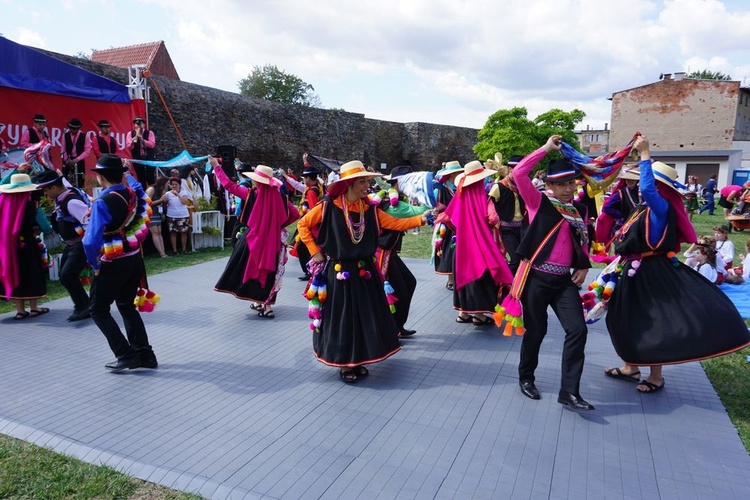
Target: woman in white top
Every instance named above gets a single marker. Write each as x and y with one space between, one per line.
178 216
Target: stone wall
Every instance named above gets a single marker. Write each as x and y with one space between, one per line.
277 134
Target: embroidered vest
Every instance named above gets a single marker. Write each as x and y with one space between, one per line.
540 228
505 206
129 226
79 144
69 228
633 237
106 146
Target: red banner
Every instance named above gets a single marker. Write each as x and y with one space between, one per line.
22 105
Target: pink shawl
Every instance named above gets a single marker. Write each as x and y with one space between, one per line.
476 250
263 236
685 232
12 208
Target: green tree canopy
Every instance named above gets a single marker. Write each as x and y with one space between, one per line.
273 84
705 74
510 132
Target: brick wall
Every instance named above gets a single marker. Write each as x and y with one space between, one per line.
677 114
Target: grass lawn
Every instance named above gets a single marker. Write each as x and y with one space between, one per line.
28 471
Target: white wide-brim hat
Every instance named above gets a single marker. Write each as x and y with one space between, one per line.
473 172
19 183
629 174
263 174
667 175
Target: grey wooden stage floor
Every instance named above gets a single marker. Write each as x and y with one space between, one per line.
238 408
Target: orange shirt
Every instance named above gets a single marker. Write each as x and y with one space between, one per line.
315 216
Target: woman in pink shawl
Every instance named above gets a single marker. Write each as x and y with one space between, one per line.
480 270
256 265
21 268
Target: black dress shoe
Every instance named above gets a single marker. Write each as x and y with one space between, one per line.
79 315
147 357
574 402
125 363
529 390
304 277
407 333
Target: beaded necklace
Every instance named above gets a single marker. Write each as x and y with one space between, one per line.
356 229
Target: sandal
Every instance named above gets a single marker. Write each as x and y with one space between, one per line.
21 315
649 388
461 319
256 306
348 376
268 313
485 321
619 374
449 286
361 371
38 312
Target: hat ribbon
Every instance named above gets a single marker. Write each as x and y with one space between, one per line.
669 180
351 172
14 185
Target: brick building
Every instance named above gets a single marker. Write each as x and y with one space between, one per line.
701 127
594 141
153 56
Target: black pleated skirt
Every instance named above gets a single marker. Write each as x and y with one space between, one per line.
32 279
479 296
357 326
665 314
444 263
231 279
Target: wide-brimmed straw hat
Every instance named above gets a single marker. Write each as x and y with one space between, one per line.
667 175
630 174
263 174
473 172
352 170
450 168
19 183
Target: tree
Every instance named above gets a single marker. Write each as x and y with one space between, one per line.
273 84
705 74
510 132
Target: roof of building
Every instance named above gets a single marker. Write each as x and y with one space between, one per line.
153 55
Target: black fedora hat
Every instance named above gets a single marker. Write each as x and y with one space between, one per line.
562 170
75 123
103 123
47 177
244 167
513 160
109 162
310 172
138 119
398 172
40 119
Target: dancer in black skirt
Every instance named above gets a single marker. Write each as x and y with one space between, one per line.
21 269
257 262
444 249
356 327
661 311
480 269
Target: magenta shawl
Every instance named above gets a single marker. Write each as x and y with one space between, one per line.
476 250
12 208
263 236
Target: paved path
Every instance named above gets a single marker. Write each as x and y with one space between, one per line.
240 409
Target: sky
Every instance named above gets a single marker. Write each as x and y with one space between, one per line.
452 62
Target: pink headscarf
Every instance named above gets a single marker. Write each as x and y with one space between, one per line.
476 249
685 230
12 208
263 236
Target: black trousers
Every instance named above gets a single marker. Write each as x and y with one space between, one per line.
118 282
404 283
73 261
544 290
303 254
511 237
